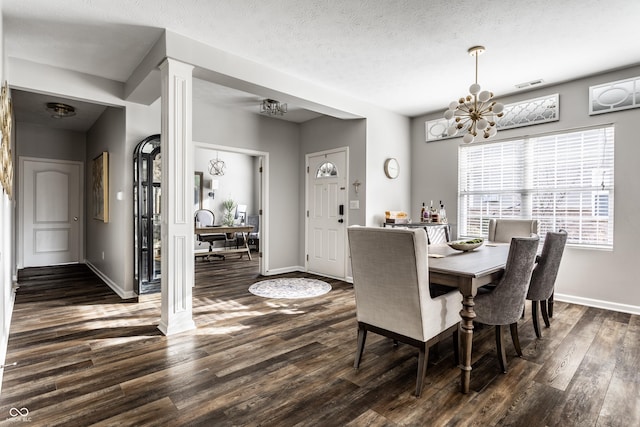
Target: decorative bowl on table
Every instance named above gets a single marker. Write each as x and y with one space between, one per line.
466 245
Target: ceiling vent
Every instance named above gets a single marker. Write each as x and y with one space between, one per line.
529 84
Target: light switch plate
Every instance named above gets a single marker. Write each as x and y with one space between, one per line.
354 204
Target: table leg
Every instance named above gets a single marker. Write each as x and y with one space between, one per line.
466 341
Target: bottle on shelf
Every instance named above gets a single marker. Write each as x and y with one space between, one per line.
422 212
434 213
443 213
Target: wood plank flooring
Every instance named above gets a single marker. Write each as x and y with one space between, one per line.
86 357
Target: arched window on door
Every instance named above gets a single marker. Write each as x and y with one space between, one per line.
327 169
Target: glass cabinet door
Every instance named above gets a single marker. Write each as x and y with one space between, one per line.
146 206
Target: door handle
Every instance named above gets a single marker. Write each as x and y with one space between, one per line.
75 218
341 220
341 210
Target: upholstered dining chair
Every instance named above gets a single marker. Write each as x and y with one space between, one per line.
391 282
501 230
544 275
504 304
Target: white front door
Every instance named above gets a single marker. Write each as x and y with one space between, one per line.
326 213
50 195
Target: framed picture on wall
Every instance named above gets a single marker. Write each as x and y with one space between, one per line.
100 173
197 190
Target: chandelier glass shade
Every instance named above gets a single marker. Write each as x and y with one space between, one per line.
476 113
272 107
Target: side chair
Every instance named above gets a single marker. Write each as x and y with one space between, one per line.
544 275
504 304
391 282
501 230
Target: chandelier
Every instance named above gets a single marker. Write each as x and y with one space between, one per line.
477 113
273 108
216 167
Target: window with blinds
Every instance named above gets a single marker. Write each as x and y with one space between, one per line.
564 180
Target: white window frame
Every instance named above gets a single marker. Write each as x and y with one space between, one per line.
548 177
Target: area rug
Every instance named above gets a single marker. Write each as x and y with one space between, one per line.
290 288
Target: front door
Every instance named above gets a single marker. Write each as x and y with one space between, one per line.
326 213
50 195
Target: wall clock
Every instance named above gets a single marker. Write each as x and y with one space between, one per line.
391 168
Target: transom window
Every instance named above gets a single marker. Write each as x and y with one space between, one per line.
563 180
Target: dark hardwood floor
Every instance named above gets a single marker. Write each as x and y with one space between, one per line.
86 357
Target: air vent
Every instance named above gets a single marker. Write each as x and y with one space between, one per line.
529 84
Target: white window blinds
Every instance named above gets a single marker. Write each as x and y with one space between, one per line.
565 181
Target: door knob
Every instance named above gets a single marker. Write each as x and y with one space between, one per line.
75 218
341 220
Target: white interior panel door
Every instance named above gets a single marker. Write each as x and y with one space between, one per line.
50 195
326 213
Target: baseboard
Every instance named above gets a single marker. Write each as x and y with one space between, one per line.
4 345
284 270
607 305
113 285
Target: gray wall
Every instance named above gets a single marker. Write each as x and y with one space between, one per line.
107 134
48 143
327 133
592 277
237 183
117 131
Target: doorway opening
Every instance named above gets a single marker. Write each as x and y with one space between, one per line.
243 182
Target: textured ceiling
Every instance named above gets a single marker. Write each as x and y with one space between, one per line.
408 56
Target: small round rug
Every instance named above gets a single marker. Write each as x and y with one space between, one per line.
290 288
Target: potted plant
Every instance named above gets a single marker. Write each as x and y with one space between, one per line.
228 217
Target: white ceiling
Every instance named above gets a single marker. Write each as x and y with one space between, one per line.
408 56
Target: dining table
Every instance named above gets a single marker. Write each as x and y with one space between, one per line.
467 271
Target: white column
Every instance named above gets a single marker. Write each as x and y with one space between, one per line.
177 274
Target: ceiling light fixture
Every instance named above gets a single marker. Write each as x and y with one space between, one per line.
59 110
272 107
216 167
475 113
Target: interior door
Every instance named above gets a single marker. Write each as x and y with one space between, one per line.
51 212
326 213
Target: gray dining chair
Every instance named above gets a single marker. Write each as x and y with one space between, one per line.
501 230
544 275
391 282
206 218
504 304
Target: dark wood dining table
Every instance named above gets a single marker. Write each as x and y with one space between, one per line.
467 271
